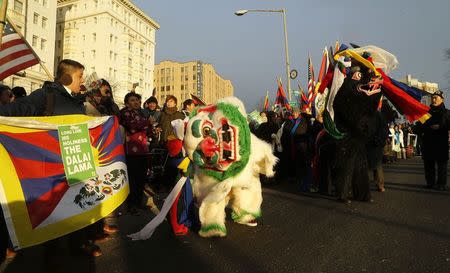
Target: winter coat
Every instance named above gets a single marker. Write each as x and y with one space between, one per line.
435 142
376 143
167 116
135 125
51 96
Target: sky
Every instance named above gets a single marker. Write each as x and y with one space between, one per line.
249 49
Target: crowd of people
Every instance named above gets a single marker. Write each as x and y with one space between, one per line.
143 128
147 126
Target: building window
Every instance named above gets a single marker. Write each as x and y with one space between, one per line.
96 3
182 70
95 19
59 43
18 6
84 38
94 37
43 44
194 68
44 22
194 77
82 54
168 88
110 55
59 28
35 18
34 41
93 54
182 87
44 3
110 38
130 61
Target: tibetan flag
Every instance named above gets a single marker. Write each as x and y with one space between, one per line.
59 174
416 93
281 99
266 102
411 108
15 53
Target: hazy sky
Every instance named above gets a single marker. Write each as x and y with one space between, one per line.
249 50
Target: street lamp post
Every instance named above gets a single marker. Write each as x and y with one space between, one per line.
282 11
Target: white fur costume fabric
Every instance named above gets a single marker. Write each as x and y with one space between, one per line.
243 190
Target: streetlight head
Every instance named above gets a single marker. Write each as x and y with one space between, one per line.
241 12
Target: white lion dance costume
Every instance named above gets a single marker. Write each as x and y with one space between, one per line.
227 162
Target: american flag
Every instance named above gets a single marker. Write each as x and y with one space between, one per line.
15 53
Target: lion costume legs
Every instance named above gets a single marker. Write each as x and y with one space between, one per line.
212 219
246 203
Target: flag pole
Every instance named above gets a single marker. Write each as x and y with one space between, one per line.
3 9
49 75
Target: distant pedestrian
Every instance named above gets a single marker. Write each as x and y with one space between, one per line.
188 107
434 133
18 92
5 94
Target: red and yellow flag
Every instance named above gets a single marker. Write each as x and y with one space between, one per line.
266 102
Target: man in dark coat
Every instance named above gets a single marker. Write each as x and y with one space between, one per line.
434 133
53 99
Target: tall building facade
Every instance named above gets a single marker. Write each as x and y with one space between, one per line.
36 21
113 38
184 79
428 88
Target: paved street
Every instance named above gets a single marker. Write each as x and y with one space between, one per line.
406 229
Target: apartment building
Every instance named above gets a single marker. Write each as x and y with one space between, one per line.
194 77
113 38
36 21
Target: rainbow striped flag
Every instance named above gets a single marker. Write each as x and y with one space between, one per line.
59 174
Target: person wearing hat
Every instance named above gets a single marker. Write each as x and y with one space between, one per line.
434 133
151 109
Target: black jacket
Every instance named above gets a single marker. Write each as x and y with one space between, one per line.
37 102
435 142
